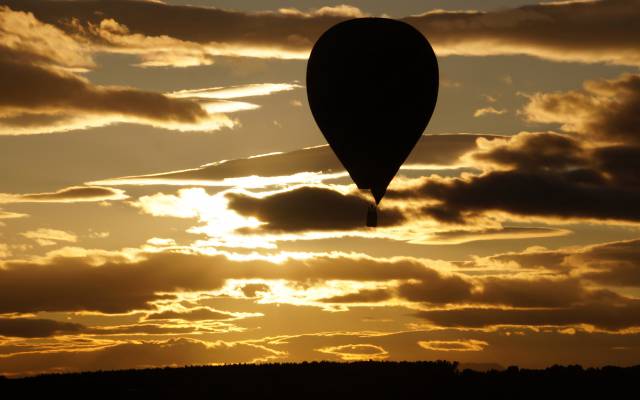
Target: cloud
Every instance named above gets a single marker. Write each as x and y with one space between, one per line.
356 352
243 219
164 328
453 345
481 112
108 35
303 166
504 232
116 284
603 316
611 264
4 251
49 237
193 314
11 215
544 176
71 102
531 151
604 109
530 258
73 194
501 345
342 10
589 32
309 208
362 296
36 328
26 40
252 289
135 354
615 263
540 292
437 289
596 31
576 195
234 92
44 93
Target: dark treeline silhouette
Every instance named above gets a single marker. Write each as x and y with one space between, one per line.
392 380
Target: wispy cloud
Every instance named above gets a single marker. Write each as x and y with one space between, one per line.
49 237
481 112
73 194
308 165
356 352
234 92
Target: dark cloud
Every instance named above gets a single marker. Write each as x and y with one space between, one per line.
310 208
538 292
604 316
69 284
615 263
546 259
437 289
578 194
117 286
534 151
537 174
73 103
362 296
620 163
252 289
595 31
67 92
506 291
36 327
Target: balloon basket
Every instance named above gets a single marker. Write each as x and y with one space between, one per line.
372 216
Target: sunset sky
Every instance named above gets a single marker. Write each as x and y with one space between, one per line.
166 197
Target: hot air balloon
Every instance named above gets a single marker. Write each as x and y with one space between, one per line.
372 85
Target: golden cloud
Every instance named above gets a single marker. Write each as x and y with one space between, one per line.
592 32
604 110
453 345
49 237
44 93
73 194
356 352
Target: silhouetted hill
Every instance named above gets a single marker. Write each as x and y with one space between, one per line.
392 380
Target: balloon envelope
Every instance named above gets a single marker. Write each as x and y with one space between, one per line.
372 85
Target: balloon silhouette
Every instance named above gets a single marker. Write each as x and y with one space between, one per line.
372 85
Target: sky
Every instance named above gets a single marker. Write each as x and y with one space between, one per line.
166 197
